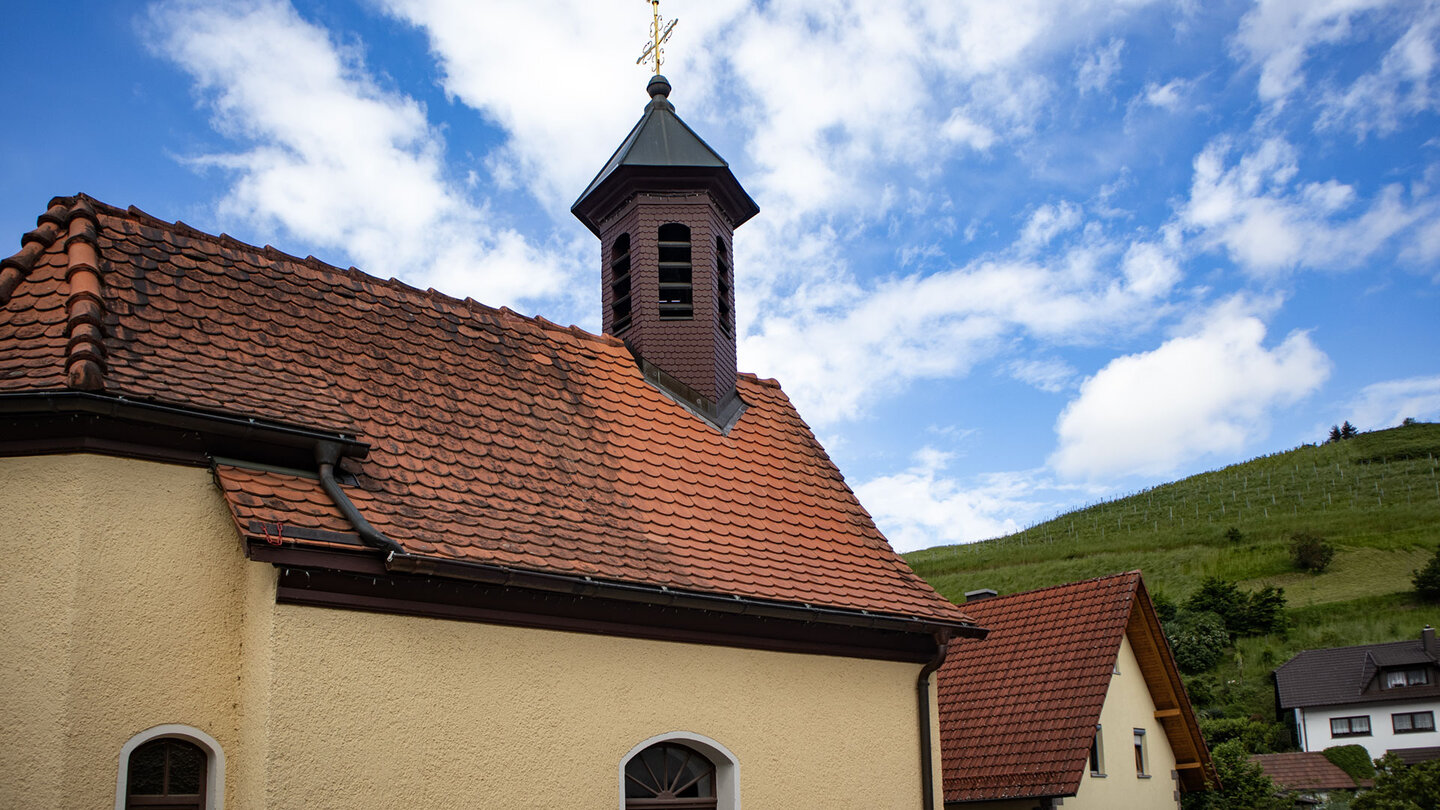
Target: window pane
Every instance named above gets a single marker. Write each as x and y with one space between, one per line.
1425 720
1416 676
1393 679
1359 725
1402 722
147 769
186 762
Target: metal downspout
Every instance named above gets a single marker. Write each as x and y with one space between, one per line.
922 688
327 455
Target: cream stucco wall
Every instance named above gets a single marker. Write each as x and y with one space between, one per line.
1128 706
129 604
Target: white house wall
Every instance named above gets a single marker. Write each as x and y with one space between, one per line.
1315 723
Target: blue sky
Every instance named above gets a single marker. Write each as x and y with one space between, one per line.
1011 257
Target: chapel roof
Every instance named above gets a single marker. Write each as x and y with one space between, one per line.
493 438
1018 710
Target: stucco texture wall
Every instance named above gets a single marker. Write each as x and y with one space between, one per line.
124 592
1128 706
129 604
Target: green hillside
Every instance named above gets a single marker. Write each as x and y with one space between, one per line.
1376 497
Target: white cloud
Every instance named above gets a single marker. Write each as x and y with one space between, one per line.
1201 394
1278 36
1168 96
333 158
1049 375
1386 404
1099 67
920 507
1047 222
1399 87
1267 223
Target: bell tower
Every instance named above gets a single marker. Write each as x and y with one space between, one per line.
666 207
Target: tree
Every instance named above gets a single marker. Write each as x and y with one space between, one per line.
1334 434
1348 431
1427 579
1197 639
1243 784
1243 614
1310 552
1402 787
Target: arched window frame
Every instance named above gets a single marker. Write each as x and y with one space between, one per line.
214 761
727 767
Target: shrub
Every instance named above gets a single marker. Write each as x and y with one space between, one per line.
1402 787
1243 614
1352 759
1243 785
1198 640
1255 736
1165 609
1310 552
1427 579
1233 535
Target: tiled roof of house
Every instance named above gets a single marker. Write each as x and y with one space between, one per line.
1341 675
1018 710
495 438
1303 771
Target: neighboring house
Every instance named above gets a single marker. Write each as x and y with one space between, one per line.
1073 699
1382 696
1306 775
282 535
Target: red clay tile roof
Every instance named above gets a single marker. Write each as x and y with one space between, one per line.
1018 709
494 437
1304 770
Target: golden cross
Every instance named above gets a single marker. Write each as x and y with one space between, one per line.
658 36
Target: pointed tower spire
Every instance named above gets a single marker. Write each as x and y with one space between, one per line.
665 207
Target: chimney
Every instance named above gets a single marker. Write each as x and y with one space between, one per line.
1427 641
665 207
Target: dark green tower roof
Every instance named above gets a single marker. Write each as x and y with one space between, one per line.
662 154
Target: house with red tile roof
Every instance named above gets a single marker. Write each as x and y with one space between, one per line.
1307 775
1073 698
280 534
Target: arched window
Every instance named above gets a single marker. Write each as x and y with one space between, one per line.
620 284
676 294
670 775
171 766
723 294
679 771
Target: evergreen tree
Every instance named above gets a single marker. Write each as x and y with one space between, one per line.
1348 431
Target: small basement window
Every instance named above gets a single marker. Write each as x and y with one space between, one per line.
1350 726
167 772
1412 722
676 292
1097 754
620 284
1142 759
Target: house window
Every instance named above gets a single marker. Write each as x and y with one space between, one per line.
620 284
1141 755
676 295
171 766
669 775
1350 726
1406 677
1412 722
723 293
1097 754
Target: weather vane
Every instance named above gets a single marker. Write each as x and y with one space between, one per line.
658 36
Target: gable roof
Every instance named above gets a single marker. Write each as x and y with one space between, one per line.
1018 710
1341 675
493 439
1303 771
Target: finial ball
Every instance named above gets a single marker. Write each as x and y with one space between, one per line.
658 86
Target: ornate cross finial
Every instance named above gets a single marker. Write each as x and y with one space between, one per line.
658 36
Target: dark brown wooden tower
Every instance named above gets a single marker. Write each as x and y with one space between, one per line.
665 208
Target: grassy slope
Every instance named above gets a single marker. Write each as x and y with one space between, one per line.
1376 497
